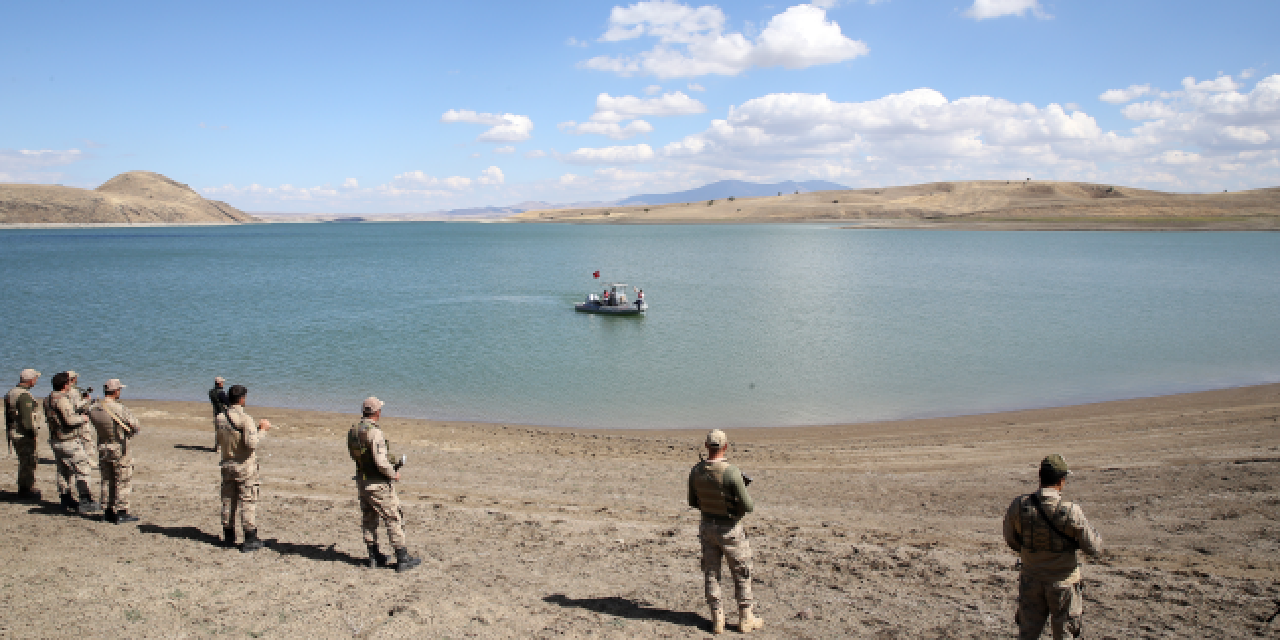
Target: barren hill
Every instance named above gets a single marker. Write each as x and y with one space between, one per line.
136 197
943 203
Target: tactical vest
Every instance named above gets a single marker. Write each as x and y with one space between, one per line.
59 430
1036 534
12 417
708 484
362 453
109 426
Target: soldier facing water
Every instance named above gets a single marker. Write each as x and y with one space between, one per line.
80 401
374 477
1047 531
719 491
66 426
239 437
22 420
115 425
218 398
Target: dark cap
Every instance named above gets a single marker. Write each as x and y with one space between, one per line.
1055 463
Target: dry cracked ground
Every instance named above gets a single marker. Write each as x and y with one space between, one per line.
881 531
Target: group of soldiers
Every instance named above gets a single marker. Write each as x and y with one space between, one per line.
1046 531
81 431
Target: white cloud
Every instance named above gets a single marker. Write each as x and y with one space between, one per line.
653 90
506 127
611 155
691 42
32 165
612 129
536 153
693 86
611 109
491 176
1212 132
574 42
1121 96
570 179
456 182
985 9
351 183
506 149
1247 73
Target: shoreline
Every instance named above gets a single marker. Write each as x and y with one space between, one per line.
864 530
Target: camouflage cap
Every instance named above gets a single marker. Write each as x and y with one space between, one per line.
1055 463
716 438
29 374
372 404
113 385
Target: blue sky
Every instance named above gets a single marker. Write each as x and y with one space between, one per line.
418 107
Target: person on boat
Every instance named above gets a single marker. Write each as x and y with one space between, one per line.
639 297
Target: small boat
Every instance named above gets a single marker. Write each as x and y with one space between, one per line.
613 302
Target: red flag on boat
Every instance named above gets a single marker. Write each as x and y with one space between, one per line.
596 275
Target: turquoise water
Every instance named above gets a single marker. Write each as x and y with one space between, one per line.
748 324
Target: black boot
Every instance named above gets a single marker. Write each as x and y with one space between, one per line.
404 562
109 515
251 541
32 495
229 538
376 558
122 517
69 502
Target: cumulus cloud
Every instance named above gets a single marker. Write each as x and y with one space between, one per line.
491 176
570 179
536 153
611 155
611 111
653 90
504 127
1121 96
692 41
693 86
32 165
1208 132
611 129
351 183
986 9
506 149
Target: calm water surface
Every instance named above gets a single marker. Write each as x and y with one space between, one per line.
748 324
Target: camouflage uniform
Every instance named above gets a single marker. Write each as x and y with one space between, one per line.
1050 582
374 477
238 439
74 466
88 435
718 490
114 424
23 417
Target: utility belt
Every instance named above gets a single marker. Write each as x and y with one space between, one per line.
720 520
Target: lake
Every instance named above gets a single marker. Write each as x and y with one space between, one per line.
748 324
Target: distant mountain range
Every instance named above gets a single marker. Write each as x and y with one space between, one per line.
735 188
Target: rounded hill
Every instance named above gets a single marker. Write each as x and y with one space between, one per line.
134 197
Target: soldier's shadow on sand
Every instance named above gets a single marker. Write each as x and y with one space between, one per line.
308 551
632 609
194 447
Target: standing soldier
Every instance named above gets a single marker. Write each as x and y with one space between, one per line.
80 399
114 425
238 437
374 477
218 398
1047 531
22 420
718 490
65 428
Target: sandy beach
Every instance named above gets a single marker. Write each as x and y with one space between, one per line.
874 530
